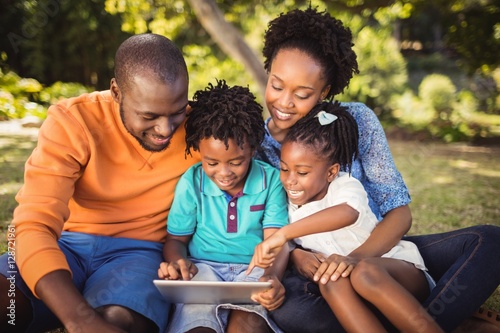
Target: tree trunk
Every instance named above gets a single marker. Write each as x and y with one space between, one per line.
229 39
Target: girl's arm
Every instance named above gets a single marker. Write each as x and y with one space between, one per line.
331 218
273 298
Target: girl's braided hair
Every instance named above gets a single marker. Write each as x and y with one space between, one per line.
224 113
318 35
337 142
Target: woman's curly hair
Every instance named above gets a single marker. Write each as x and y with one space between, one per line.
337 142
224 113
318 35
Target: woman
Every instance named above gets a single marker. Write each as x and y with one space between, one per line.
309 58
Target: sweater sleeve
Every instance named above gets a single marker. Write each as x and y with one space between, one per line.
50 175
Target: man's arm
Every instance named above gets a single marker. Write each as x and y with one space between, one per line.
57 291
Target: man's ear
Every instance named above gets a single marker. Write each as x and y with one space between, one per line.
333 171
116 93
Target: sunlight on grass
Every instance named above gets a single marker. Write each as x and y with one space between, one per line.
443 180
487 172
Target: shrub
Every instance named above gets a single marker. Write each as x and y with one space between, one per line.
382 71
438 92
21 97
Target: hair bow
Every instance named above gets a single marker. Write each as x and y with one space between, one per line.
325 118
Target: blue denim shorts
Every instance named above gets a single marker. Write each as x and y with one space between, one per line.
188 316
106 270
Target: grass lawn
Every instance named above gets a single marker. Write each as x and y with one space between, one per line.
452 185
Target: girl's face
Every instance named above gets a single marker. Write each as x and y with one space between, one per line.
304 175
294 86
227 168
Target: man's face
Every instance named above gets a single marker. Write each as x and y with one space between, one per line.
151 110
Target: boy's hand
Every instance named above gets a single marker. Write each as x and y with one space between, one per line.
182 269
334 267
266 251
273 297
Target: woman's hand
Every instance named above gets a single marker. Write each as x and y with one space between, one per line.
334 267
273 297
182 269
306 262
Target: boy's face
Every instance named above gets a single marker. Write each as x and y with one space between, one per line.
228 168
304 175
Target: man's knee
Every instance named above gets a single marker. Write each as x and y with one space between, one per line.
126 319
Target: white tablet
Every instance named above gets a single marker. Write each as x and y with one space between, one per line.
209 292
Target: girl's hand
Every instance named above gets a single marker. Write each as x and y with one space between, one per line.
182 269
272 298
306 262
334 267
266 251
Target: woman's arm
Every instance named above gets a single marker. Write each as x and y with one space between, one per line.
386 234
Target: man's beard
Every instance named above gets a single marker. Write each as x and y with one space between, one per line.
141 142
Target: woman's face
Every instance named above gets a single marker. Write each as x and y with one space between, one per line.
294 86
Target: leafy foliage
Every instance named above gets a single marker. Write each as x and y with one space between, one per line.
22 97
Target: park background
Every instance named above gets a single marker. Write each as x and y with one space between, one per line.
428 69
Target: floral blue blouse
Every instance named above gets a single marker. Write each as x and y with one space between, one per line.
374 167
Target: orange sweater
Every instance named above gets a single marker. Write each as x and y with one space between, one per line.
88 174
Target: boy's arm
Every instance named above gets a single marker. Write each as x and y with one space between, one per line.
280 263
177 265
272 298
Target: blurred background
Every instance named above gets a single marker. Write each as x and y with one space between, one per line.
429 69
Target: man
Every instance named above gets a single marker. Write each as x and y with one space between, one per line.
91 220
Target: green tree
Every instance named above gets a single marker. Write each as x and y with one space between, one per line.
55 40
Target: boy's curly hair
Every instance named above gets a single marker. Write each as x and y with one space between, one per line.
224 113
337 142
318 35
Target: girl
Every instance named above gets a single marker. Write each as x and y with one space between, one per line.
308 55
312 155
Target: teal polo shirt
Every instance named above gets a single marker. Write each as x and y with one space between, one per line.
225 228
